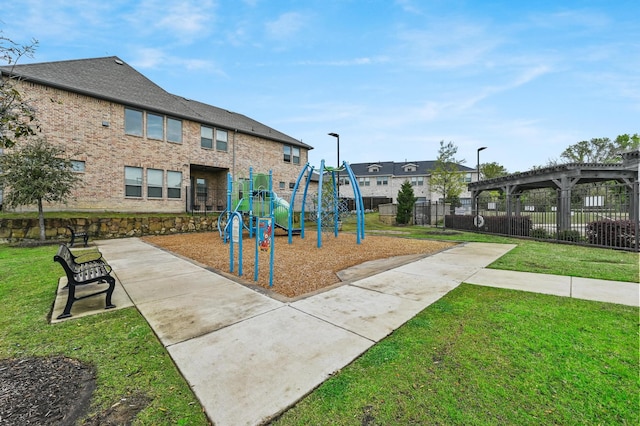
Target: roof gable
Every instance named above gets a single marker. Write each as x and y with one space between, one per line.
390 168
112 79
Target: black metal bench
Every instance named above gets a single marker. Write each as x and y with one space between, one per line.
93 269
74 235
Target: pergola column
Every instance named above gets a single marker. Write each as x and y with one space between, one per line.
563 215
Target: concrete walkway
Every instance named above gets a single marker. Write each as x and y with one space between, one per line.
249 357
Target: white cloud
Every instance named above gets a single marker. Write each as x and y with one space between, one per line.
188 19
285 26
447 45
371 60
153 58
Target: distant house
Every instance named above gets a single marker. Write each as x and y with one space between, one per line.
384 179
142 149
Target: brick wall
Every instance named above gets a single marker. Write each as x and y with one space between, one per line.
92 130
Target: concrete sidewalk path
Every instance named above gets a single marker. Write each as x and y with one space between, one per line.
249 357
622 293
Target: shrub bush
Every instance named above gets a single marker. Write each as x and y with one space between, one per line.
612 233
540 233
569 235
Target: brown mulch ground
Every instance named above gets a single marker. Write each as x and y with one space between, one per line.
56 391
300 267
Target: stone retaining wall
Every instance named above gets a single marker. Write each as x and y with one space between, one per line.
12 230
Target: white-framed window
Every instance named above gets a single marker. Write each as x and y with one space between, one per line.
174 130
132 181
77 166
155 179
467 177
382 180
133 122
206 137
155 126
282 185
174 184
291 154
363 181
417 180
221 140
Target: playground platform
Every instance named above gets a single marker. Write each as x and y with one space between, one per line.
248 357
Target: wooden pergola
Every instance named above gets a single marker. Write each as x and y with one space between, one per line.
563 178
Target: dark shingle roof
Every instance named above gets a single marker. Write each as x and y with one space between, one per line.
390 168
112 79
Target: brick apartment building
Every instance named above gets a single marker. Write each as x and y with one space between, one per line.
142 149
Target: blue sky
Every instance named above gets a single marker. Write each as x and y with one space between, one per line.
524 78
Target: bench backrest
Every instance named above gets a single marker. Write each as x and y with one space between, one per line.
65 258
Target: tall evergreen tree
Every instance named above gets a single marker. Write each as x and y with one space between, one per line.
406 201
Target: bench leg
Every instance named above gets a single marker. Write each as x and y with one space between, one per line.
112 286
86 239
71 297
73 239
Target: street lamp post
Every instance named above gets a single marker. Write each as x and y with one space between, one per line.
478 192
337 136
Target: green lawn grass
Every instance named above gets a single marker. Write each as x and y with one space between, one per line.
126 353
529 255
486 356
478 356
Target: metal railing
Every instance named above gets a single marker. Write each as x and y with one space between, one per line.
601 214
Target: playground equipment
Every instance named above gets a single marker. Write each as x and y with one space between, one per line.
254 197
252 205
329 209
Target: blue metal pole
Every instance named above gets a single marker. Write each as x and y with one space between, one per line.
256 268
359 204
273 222
229 208
319 219
291 204
304 201
336 201
239 216
251 202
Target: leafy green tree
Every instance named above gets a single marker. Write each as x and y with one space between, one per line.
600 150
406 201
17 117
492 170
36 172
627 142
446 178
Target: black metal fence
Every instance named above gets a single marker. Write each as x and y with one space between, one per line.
428 213
368 203
602 214
205 202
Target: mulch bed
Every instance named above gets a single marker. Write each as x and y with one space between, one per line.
56 391
301 267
